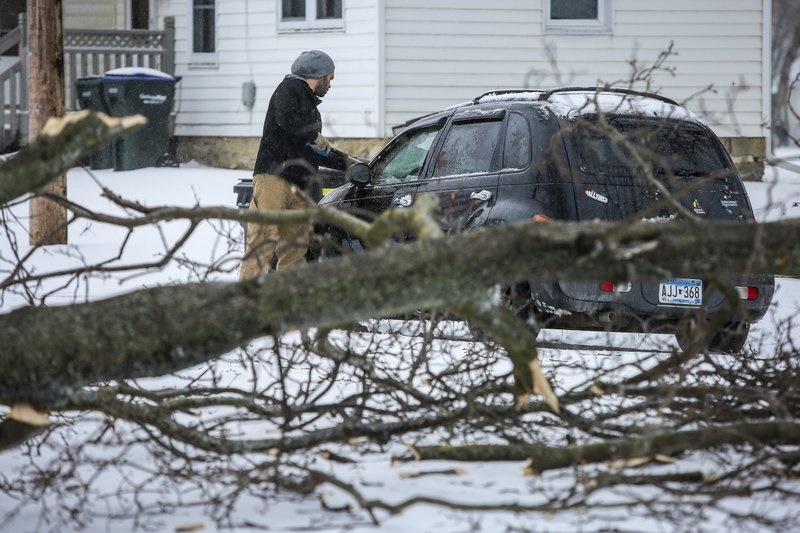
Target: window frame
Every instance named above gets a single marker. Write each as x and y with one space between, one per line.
602 25
465 121
202 59
311 22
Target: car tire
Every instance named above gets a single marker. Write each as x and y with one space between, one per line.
326 244
730 339
517 299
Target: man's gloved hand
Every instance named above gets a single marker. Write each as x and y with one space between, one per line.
320 145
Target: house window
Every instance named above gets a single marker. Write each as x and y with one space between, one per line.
579 17
140 14
203 27
315 15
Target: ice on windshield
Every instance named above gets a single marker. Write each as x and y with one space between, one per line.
405 160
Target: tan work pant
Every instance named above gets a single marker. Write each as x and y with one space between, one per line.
285 244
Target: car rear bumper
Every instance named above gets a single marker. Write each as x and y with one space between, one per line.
635 307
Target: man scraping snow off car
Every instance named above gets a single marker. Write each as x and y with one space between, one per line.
291 150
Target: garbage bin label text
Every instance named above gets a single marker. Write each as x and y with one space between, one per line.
152 99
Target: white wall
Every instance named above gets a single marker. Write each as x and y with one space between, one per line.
94 14
249 48
440 52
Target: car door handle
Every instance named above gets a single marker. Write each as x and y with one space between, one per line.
481 195
403 201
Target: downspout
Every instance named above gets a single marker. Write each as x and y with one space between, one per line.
152 15
766 89
381 59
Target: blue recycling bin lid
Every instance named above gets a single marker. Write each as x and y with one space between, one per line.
139 74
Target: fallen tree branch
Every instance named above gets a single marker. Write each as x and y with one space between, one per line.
59 348
610 480
542 457
156 214
159 417
519 341
20 424
59 147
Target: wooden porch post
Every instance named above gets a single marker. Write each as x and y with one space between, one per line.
168 59
46 92
23 84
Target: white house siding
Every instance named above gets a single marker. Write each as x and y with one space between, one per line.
441 52
249 48
94 14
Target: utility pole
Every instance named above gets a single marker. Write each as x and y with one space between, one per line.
46 97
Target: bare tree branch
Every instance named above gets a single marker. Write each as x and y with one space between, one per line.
61 145
541 458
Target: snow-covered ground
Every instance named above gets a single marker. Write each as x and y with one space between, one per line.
216 245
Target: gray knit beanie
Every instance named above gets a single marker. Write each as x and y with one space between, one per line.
313 64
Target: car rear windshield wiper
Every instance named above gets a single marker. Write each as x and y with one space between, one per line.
688 172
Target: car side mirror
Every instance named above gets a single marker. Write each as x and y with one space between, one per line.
358 174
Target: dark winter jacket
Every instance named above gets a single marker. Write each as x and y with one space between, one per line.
292 121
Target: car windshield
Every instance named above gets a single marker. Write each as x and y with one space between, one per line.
405 159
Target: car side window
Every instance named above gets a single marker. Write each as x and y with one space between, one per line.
517 151
405 159
469 148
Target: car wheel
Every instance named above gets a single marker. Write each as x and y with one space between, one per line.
731 338
326 244
517 299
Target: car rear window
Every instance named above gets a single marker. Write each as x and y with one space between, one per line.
517 150
622 162
630 148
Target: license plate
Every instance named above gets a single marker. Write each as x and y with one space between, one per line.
680 292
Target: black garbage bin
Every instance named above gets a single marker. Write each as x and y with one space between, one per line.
328 179
148 92
90 96
244 195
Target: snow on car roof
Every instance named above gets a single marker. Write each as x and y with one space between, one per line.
510 94
571 104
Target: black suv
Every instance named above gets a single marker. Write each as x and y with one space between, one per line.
573 154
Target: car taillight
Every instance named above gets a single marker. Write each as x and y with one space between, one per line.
610 286
747 293
541 218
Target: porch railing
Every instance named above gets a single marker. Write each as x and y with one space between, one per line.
86 53
93 52
13 91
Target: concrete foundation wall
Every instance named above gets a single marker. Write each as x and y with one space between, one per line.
240 152
748 153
